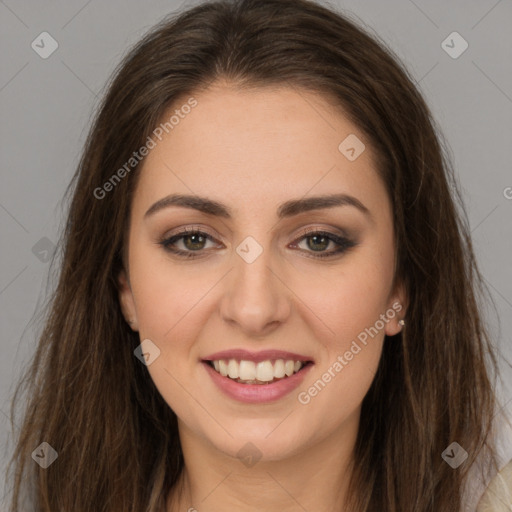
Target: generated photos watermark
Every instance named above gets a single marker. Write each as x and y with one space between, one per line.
151 143
304 397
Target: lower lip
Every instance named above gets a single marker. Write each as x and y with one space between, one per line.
257 393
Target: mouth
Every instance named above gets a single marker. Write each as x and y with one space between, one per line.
269 371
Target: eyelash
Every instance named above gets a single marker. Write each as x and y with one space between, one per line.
342 242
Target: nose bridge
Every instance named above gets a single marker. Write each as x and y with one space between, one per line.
255 297
253 272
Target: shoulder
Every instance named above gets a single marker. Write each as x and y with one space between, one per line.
492 492
498 494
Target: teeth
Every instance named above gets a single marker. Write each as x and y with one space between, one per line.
279 369
223 368
247 370
233 369
251 372
265 371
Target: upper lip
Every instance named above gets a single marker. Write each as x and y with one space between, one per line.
264 355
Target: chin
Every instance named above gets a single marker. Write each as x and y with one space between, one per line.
260 440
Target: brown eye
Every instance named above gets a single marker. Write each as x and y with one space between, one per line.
193 241
318 241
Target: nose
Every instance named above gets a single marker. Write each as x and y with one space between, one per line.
256 299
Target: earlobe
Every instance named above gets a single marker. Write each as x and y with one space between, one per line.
398 312
126 301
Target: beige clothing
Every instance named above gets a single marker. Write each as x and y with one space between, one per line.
498 495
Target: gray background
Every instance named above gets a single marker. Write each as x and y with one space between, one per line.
47 104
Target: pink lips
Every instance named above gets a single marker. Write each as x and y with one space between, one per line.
256 393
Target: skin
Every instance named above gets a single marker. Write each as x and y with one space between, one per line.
253 150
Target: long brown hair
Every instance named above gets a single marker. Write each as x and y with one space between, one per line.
95 403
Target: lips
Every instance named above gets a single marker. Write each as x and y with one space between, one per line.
257 376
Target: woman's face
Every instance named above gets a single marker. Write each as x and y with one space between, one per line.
260 277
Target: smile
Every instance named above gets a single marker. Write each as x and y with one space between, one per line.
263 372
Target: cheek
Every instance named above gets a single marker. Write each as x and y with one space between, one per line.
352 308
167 294
170 312
336 393
348 300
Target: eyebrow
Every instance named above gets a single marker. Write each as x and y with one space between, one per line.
286 209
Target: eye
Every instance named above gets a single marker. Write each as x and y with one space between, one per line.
317 241
193 241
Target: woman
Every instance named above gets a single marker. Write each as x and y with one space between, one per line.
268 298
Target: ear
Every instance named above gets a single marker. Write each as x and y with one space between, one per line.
397 310
126 301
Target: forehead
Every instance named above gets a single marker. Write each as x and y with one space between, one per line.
259 147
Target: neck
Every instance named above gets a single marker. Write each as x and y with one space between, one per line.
314 478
